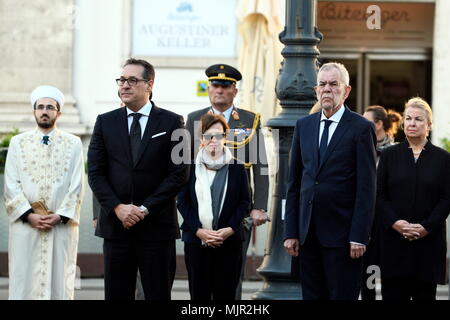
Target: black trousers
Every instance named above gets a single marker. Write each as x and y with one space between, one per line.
367 293
370 260
245 244
395 289
155 261
328 273
213 272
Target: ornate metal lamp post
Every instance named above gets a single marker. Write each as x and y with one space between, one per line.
295 90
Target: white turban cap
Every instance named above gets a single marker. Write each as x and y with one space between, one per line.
47 92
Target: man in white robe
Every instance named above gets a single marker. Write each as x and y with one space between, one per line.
45 164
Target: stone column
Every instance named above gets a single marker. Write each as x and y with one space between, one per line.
36 49
102 40
441 70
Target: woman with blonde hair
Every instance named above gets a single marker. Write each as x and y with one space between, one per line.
413 202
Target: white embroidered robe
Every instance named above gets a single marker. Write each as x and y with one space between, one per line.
42 264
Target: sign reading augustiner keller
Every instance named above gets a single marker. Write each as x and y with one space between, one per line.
180 28
401 24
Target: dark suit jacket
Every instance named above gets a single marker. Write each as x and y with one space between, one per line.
235 205
260 167
340 192
153 182
418 193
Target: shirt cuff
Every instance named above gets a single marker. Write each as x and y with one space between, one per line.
24 216
353 242
64 219
144 210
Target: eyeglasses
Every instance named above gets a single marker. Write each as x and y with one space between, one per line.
132 81
333 84
218 136
48 107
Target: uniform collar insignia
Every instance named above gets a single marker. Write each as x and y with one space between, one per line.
235 115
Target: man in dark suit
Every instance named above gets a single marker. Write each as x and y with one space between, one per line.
135 180
245 140
331 192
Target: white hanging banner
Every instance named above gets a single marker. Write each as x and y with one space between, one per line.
194 28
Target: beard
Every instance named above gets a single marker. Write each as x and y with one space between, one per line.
45 125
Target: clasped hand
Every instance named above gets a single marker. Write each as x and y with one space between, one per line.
410 231
214 238
43 223
129 214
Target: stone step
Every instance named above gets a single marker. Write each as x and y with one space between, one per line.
12 110
28 117
71 127
19 115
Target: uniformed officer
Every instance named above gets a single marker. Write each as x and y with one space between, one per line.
244 139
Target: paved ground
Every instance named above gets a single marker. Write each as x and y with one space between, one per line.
92 289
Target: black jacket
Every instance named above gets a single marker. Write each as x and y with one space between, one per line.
340 192
245 152
235 205
153 182
418 193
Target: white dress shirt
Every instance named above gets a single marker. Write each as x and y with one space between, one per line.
50 136
335 118
145 111
226 113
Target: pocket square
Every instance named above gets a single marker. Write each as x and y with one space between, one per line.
159 134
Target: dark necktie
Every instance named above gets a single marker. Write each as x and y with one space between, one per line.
45 139
135 136
324 140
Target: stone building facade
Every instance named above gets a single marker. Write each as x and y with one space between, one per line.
36 46
80 45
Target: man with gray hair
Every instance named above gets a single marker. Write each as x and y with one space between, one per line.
44 174
331 192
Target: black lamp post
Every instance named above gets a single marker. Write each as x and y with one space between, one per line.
295 90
